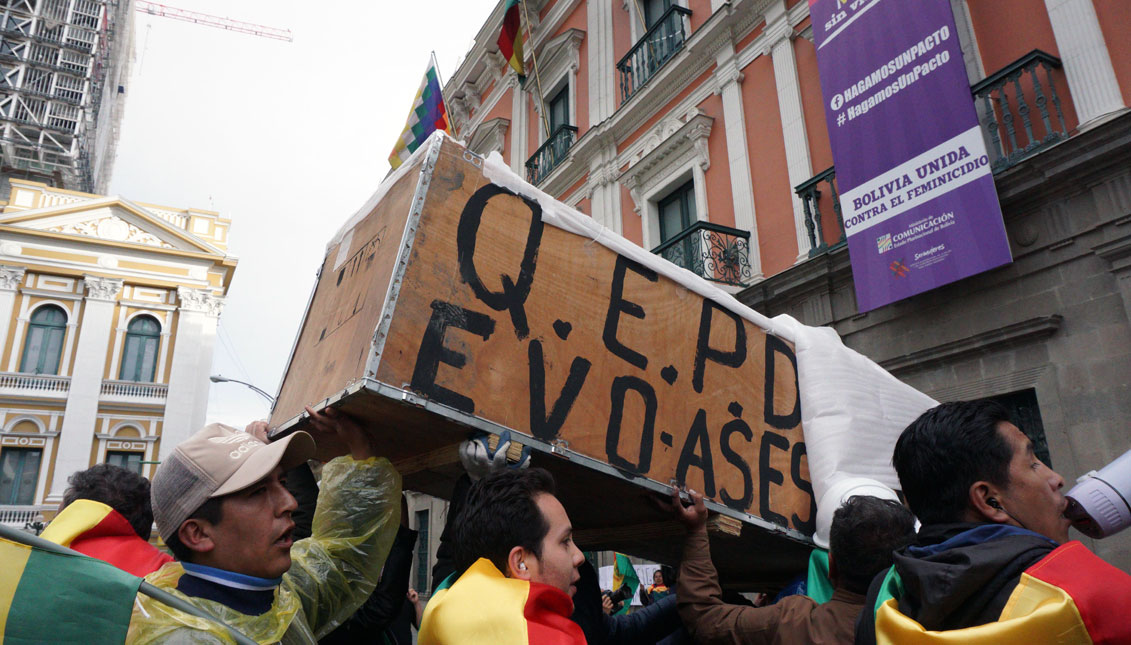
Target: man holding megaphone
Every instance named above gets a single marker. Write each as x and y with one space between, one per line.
992 562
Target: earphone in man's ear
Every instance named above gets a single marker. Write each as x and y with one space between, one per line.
993 503
522 566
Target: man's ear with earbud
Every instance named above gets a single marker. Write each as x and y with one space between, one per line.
516 563
984 505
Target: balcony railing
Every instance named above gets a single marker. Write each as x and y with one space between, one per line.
717 253
135 390
550 154
648 55
810 194
21 516
1004 98
47 385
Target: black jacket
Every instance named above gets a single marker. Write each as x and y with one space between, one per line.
648 625
957 575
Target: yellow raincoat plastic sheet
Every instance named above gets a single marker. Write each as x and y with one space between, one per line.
332 572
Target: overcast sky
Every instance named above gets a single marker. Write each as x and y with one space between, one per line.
286 139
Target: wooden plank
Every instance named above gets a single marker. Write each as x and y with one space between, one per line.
337 334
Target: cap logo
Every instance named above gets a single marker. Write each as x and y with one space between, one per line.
246 441
235 438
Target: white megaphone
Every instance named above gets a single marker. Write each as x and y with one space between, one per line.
1098 504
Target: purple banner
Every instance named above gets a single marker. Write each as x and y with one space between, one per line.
916 190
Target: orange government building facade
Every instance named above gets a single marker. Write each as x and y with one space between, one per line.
108 314
696 129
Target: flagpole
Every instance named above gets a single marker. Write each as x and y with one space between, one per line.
537 76
156 593
640 14
440 83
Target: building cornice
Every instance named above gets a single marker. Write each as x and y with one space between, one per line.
109 202
221 260
47 293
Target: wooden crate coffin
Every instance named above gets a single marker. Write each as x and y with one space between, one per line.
451 306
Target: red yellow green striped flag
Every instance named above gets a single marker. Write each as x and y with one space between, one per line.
625 574
93 528
50 597
510 38
483 607
1069 596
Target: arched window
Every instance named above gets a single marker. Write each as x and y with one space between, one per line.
139 359
44 344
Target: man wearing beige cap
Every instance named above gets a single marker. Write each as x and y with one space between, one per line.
221 506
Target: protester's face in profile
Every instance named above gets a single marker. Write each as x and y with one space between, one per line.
560 556
254 533
1034 496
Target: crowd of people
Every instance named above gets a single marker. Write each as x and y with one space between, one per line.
267 548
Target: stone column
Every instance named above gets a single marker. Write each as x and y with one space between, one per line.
77 434
1087 63
10 278
187 400
602 62
728 85
520 124
779 39
604 191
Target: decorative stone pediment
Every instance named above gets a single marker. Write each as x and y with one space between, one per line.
489 137
112 219
111 228
672 142
560 54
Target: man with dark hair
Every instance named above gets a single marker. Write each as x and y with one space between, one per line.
221 505
992 562
865 531
517 567
106 514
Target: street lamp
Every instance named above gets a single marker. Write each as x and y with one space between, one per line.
216 378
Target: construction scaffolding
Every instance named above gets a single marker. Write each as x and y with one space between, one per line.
63 65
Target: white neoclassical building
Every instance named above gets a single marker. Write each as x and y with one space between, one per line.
108 314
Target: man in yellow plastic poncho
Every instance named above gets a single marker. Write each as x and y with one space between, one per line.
220 504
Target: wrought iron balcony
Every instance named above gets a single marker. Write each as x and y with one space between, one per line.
1004 98
659 44
550 154
810 194
717 253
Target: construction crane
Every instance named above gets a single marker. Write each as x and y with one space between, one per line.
263 31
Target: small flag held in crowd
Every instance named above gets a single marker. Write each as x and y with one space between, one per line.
510 38
428 115
50 597
625 574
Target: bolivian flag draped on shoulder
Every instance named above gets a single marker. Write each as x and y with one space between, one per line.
428 114
51 594
48 597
